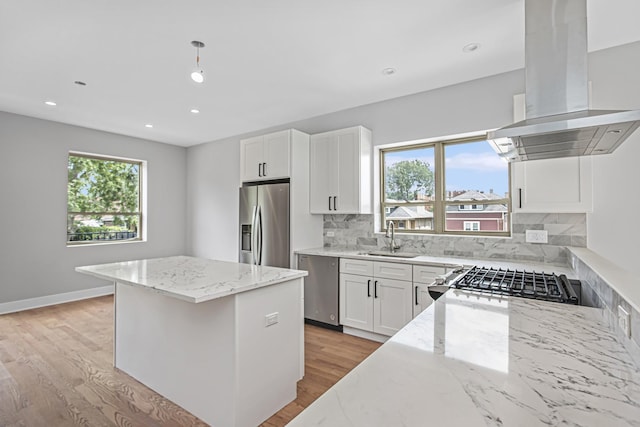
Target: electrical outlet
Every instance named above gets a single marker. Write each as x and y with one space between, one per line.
330 233
535 236
271 319
624 321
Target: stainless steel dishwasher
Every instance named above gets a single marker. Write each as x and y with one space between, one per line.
321 290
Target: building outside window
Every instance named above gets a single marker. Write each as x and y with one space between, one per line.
103 199
438 187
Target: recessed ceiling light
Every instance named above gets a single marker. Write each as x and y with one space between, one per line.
50 103
148 125
389 71
471 47
80 83
195 111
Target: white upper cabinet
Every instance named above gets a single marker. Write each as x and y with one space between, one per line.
266 156
550 185
340 171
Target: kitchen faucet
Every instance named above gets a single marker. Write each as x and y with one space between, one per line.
392 244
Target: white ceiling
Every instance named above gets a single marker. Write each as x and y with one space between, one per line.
266 62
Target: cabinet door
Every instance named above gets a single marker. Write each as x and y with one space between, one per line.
359 267
347 160
276 156
552 185
252 152
392 305
421 298
322 174
427 273
356 305
392 270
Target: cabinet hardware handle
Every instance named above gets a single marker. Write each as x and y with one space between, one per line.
335 203
368 288
329 202
264 169
375 289
259 169
416 293
520 198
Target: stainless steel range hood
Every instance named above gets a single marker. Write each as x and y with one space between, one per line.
558 122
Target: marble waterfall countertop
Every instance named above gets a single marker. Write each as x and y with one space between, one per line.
446 261
192 279
475 360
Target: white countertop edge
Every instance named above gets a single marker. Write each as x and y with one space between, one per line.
292 275
620 280
442 261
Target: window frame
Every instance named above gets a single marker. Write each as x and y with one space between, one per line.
439 204
140 237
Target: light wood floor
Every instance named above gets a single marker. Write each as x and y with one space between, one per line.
56 370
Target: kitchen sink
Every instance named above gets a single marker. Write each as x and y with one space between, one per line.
390 254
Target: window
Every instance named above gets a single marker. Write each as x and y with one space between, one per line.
471 225
103 199
451 186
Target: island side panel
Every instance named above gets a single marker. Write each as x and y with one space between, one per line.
182 350
268 356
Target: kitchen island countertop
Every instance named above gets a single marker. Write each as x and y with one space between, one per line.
477 360
191 279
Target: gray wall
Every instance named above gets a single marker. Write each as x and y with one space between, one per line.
213 179
613 227
35 260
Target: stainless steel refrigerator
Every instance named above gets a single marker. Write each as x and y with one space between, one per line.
264 224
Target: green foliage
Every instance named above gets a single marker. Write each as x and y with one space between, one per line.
91 232
406 179
108 186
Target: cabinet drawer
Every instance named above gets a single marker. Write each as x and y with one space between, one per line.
389 270
427 273
356 266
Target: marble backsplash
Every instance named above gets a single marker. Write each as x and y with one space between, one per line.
564 229
596 292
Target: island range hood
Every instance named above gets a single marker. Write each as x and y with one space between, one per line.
558 122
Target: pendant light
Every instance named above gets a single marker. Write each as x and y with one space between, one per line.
197 75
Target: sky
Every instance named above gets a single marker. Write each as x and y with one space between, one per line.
469 166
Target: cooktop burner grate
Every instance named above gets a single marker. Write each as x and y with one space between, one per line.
542 286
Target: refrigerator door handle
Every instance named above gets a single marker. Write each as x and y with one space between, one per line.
259 237
254 235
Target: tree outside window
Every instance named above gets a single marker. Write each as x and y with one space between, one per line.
103 199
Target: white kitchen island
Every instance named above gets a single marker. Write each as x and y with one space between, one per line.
223 340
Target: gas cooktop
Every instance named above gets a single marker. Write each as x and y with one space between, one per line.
526 284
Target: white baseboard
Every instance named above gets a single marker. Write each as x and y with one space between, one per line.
364 334
28 304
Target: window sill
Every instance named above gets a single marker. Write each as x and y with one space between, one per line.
483 236
103 243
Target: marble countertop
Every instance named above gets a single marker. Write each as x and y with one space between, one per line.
435 260
191 279
475 360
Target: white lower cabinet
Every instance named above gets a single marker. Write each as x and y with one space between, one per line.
356 305
373 302
424 276
391 305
